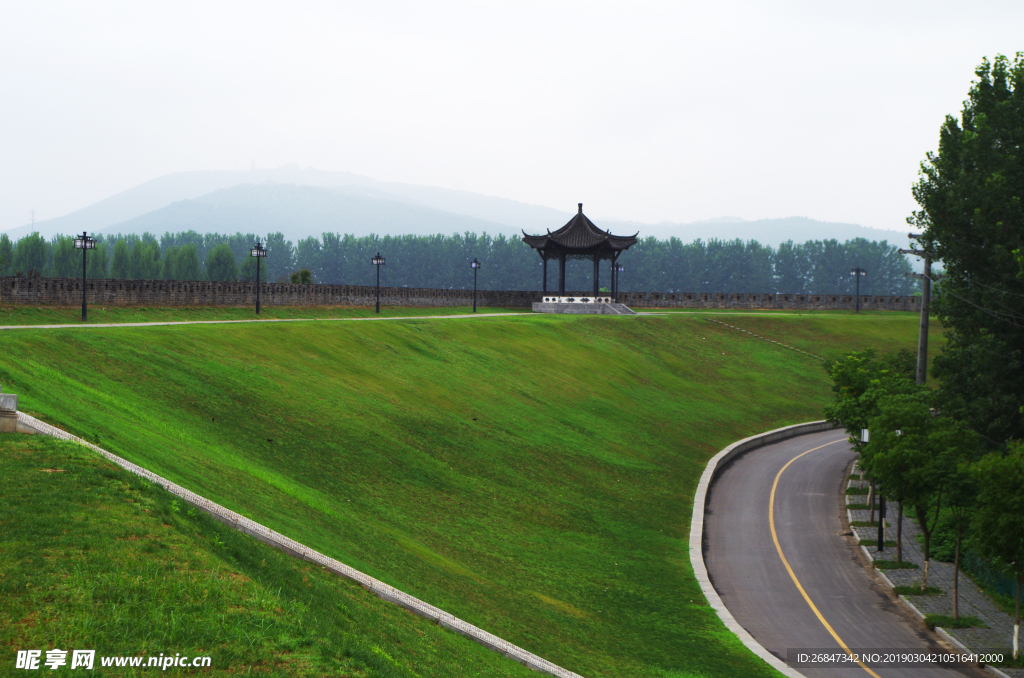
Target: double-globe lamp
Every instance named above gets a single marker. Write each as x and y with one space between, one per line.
84 242
378 261
258 251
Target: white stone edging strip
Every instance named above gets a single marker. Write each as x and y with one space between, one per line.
700 570
294 548
770 341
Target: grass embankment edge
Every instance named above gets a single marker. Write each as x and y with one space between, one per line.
303 552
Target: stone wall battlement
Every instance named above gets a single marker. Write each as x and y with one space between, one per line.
68 292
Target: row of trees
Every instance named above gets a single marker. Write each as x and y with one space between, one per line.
954 455
131 258
443 262
931 463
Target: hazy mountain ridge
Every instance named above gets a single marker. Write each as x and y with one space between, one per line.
304 202
771 232
179 186
300 212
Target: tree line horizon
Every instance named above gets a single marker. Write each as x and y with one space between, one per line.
440 261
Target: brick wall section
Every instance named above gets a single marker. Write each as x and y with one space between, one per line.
68 292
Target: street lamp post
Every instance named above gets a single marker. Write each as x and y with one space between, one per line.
857 273
85 243
258 251
378 261
476 267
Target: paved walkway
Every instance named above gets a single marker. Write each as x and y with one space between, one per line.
998 637
260 320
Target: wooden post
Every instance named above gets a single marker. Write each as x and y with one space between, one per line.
561 274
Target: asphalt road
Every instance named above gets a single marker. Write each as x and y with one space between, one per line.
749 573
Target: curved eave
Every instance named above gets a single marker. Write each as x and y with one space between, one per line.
580 235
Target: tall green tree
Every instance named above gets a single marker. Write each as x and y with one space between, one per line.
961 500
188 266
120 261
789 264
32 255
67 261
970 195
96 262
6 255
859 380
169 265
280 259
221 265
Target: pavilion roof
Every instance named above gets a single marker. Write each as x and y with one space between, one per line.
580 234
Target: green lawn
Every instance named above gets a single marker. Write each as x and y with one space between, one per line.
531 474
92 557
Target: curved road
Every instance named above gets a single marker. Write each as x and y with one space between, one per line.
746 568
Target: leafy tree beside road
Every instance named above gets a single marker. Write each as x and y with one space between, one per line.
915 455
926 446
999 518
970 193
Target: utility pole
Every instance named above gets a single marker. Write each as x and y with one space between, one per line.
926 295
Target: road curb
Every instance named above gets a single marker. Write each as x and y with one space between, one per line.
700 570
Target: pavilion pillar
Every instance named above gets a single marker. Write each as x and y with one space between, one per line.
545 260
597 274
561 274
611 286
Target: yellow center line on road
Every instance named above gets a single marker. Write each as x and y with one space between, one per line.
778 547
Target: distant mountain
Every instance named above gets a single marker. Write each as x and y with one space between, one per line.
766 231
299 212
302 202
161 192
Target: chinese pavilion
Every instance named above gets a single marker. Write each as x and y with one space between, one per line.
579 239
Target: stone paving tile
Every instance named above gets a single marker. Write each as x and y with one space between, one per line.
998 637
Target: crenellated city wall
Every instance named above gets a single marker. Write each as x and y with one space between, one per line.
68 292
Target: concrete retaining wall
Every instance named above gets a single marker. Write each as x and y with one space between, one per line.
700 570
294 548
68 292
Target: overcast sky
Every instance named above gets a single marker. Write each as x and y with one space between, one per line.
673 111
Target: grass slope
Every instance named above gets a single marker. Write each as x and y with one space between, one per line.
533 475
92 557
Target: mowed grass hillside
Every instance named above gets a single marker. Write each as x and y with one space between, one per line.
533 475
92 557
